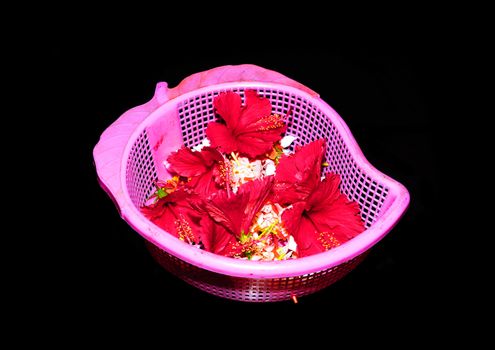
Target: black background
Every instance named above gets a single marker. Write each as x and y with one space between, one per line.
384 94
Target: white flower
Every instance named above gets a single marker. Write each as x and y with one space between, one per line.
282 250
243 171
287 140
267 208
291 244
204 143
269 248
268 255
269 167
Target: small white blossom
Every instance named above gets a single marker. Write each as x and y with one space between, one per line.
268 255
269 167
204 143
292 245
287 140
243 171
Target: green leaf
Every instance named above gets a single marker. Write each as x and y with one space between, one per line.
161 193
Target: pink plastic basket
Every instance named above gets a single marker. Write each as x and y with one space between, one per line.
129 158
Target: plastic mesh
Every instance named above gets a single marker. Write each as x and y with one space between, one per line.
141 171
252 289
308 123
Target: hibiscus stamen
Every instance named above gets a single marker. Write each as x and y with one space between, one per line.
234 156
225 172
268 229
271 122
328 241
184 230
244 237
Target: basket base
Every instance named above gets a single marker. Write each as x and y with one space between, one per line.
251 289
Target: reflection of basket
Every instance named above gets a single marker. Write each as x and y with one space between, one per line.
129 158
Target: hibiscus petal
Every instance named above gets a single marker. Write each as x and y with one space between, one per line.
253 145
331 211
258 192
341 218
228 106
298 174
216 238
221 137
256 107
204 184
308 243
176 215
210 155
302 229
235 212
327 192
285 193
256 142
187 163
291 217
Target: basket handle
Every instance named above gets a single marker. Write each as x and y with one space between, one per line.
109 150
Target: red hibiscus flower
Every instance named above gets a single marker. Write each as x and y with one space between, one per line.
208 171
175 213
251 129
231 215
325 220
298 174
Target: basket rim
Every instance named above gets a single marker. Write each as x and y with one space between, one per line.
392 209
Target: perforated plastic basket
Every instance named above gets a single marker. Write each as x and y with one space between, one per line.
129 158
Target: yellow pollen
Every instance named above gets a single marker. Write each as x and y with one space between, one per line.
327 240
184 230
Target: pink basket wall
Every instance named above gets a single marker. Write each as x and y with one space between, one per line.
130 155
